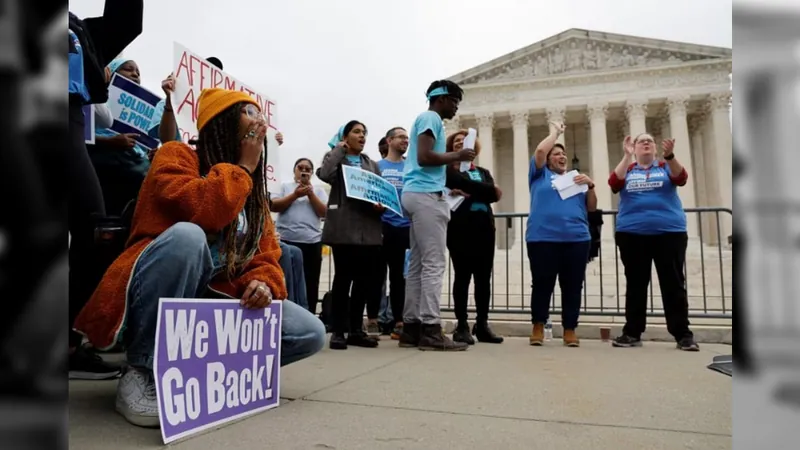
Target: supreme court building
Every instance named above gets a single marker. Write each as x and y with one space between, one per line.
604 86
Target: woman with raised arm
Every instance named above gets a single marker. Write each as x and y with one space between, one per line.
353 230
558 237
651 228
201 228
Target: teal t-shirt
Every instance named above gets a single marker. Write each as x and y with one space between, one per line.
427 179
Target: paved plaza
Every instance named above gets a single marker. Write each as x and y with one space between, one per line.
509 396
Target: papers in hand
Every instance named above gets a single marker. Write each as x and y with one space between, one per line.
565 184
453 201
469 142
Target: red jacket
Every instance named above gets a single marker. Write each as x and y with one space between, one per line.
173 192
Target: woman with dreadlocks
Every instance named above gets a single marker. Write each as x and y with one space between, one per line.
201 228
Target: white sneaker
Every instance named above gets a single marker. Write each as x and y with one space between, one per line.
136 398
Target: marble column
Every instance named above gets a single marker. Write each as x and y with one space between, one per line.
701 188
521 161
679 127
711 176
601 168
558 115
486 136
720 116
636 112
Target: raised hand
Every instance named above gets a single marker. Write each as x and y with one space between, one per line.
668 145
168 85
558 128
252 145
628 146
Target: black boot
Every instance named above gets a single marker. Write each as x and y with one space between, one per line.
410 336
361 339
433 338
338 341
462 334
484 333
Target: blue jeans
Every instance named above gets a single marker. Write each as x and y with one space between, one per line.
567 262
178 264
291 262
385 315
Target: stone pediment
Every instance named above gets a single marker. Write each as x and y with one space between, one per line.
582 51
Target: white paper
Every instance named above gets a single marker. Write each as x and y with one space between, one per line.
573 190
453 201
469 143
566 186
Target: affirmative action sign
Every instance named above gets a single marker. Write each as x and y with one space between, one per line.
132 108
193 74
215 362
369 187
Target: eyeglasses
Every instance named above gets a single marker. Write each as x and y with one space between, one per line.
645 141
305 169
252 111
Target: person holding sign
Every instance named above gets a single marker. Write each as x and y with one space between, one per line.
353 231
201 228
424 202
300 210
558 237
120 161
651 228
471 241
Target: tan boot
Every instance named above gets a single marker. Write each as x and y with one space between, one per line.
537 335
571 339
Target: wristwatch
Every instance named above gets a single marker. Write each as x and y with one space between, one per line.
591 186
670 157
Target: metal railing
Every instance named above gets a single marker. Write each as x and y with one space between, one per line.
708 270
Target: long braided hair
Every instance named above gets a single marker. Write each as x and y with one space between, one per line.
219 142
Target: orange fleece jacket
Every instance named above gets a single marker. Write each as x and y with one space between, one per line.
174 192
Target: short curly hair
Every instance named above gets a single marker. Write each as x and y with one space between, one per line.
452 138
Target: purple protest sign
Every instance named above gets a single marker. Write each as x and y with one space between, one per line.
215 362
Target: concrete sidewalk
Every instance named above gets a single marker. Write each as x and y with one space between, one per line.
509 396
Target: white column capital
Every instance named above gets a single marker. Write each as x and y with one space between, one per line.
519 119
677 104
597 111
556 114
635 109
720 100
485 120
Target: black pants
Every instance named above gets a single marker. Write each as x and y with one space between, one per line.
567 261
668 252
395 244
119 185
356 266
472 253
312 265
85 206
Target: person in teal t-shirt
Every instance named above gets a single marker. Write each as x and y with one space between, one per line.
425 205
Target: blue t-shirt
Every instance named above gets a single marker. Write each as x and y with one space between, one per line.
552 219
430 178
77 83
393 173
353 160
649 202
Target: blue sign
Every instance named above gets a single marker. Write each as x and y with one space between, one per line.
132 108
369 187
88 124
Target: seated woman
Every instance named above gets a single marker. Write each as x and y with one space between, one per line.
471 241
120 161
201 227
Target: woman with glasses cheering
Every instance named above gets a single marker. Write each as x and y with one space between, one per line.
300 210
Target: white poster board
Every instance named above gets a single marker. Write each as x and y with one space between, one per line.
193 74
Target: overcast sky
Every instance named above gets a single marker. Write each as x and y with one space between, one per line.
327 62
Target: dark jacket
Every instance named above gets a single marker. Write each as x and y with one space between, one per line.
103 38
479 192
595 229
348 221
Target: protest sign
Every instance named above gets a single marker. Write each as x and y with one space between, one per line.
132 108
215 362
363 185
193 74
88 124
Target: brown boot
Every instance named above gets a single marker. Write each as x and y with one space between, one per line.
433 338
571 339
409 335
537 335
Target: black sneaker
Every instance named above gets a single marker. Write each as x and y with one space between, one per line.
361 339
85 364
688 344
462 334
626 341
338 341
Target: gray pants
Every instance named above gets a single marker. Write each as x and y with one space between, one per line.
429 215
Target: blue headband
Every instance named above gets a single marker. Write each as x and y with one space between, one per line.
437 92
338 137
114 65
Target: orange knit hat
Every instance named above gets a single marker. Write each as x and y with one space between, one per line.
214 101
